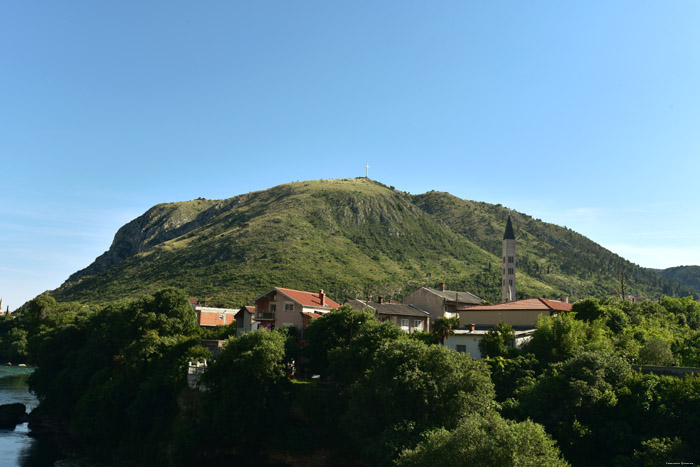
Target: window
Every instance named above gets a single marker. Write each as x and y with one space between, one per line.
273 307
404 325
511 259
510 271
461 348
288 306
504 260
417 324
510 281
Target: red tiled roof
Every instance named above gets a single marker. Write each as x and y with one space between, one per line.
308 299
528 304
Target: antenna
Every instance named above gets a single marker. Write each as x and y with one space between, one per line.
366 170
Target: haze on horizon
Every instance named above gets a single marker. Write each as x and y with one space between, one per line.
580 115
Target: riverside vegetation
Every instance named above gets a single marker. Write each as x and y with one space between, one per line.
114 378
356 237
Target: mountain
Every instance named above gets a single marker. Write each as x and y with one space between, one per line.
351 237
687 276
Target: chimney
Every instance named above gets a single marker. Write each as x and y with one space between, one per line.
566 299
381 300
441 286
322 297
472 327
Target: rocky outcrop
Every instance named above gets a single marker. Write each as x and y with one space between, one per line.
157 225
12 415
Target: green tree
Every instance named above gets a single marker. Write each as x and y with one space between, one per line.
246 389
559 338
485 441
498 341
588 310
656 351
113 376
575 400
412 387
444 328
342 343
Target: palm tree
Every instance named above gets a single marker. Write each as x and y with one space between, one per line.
444 328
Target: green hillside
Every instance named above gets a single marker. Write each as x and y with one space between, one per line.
687 276
351 237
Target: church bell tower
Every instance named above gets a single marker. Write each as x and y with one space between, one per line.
508 265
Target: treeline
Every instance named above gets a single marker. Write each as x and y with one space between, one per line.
115 379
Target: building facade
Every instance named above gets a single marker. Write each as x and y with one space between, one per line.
440 302
282 307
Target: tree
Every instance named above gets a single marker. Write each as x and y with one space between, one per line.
113 376
444 328
246 388
656 351
575 400
485 441
409 388
497 341
559 338
587 310
335 329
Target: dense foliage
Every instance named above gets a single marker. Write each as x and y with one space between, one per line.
115 378
353 238
112 377
485 441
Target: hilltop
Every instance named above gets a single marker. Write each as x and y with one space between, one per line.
352 237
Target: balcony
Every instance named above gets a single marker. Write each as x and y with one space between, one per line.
266 316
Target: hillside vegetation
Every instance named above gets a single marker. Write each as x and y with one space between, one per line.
687 276
353 238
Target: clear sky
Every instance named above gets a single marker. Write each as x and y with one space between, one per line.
581 113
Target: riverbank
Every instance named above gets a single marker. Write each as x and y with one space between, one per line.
17 447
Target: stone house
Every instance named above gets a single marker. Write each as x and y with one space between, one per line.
441 303
408 317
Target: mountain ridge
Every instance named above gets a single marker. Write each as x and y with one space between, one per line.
352 237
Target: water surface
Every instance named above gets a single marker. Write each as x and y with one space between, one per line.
17 448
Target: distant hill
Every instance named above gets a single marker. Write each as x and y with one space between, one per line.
687 276
353 238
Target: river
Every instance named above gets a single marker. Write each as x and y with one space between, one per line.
17 448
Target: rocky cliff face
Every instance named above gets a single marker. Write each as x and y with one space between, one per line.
159 224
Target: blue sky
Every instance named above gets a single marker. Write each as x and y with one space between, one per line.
584 114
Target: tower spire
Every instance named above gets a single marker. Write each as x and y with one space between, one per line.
508 291
509 234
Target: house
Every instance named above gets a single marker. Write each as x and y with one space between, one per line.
517 313
407 317
245 320
282 307
441 303
467 340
